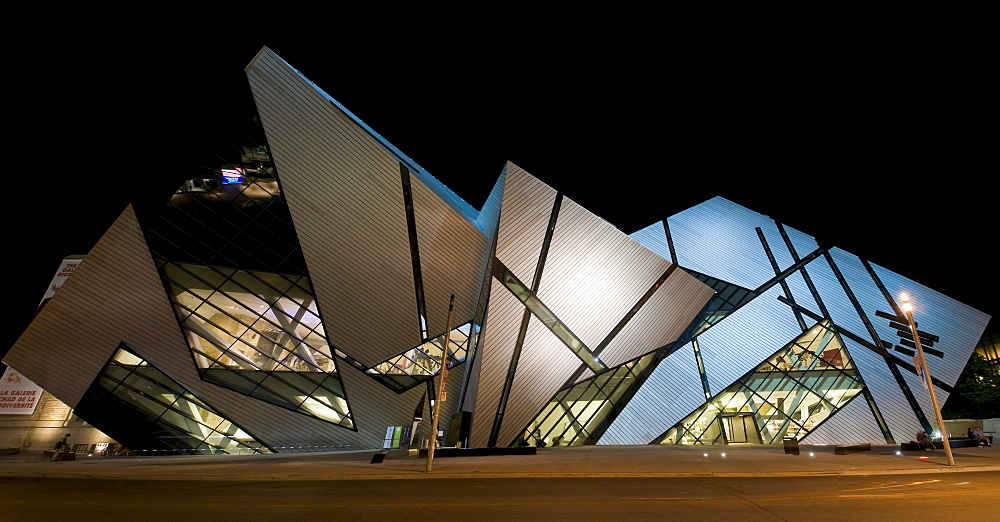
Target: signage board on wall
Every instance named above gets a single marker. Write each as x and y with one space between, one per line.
18 395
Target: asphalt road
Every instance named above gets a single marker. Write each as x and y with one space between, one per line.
924 497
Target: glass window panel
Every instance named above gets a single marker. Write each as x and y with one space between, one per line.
140 402
127 358
117 373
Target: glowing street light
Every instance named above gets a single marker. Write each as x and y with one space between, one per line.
908 308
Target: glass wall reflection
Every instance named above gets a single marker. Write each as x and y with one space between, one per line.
148 411
788 395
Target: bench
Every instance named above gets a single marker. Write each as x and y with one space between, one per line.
67 455
852 448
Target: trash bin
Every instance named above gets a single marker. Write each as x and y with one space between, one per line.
791 445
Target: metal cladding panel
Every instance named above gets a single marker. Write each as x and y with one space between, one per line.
117 295
503 321
114 295
717 238
670 393
453 256
654 237
375 407
489 218
661 320
873 367
524 218
888 396
852 424
959 326
594 274
345 196
747 337
544 366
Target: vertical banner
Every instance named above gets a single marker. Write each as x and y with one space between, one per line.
67 267
18 395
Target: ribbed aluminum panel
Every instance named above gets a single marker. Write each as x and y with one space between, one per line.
527 206
489 218
661 320
852 424
654 237
453 390
345 196
453 256
745 338
671 393
115 294
888 396
502 323
718 238
375 407
543 368
594 274
957 325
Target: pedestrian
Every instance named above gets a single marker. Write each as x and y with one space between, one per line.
62 445
925 440
981 436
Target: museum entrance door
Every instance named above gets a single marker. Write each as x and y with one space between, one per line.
741 428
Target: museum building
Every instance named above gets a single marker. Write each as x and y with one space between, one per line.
307 298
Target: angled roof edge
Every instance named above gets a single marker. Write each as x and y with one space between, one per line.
449 196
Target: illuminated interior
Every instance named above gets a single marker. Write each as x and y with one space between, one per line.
787 396
160 414
575 414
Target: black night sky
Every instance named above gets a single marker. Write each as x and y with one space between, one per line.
888 152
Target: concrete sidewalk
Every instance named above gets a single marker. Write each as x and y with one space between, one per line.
582 461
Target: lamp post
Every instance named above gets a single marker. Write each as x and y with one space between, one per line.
440 391
927 377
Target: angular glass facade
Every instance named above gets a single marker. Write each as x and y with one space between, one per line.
420 363
788 395
229 259
576 415
349 339
728 298
131 392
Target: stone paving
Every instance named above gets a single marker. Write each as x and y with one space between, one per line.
582 461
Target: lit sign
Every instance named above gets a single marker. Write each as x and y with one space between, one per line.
230 176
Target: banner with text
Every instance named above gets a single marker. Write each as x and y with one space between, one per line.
18 395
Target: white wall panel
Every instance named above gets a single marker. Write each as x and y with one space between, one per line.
957 325
661 320
527 207
745 338
594 274
542 369
345 196
718 238
502 324
114 295
888 396
654 237
852 424
453 256
671 393
375 407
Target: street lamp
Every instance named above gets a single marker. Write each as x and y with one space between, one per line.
927 376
